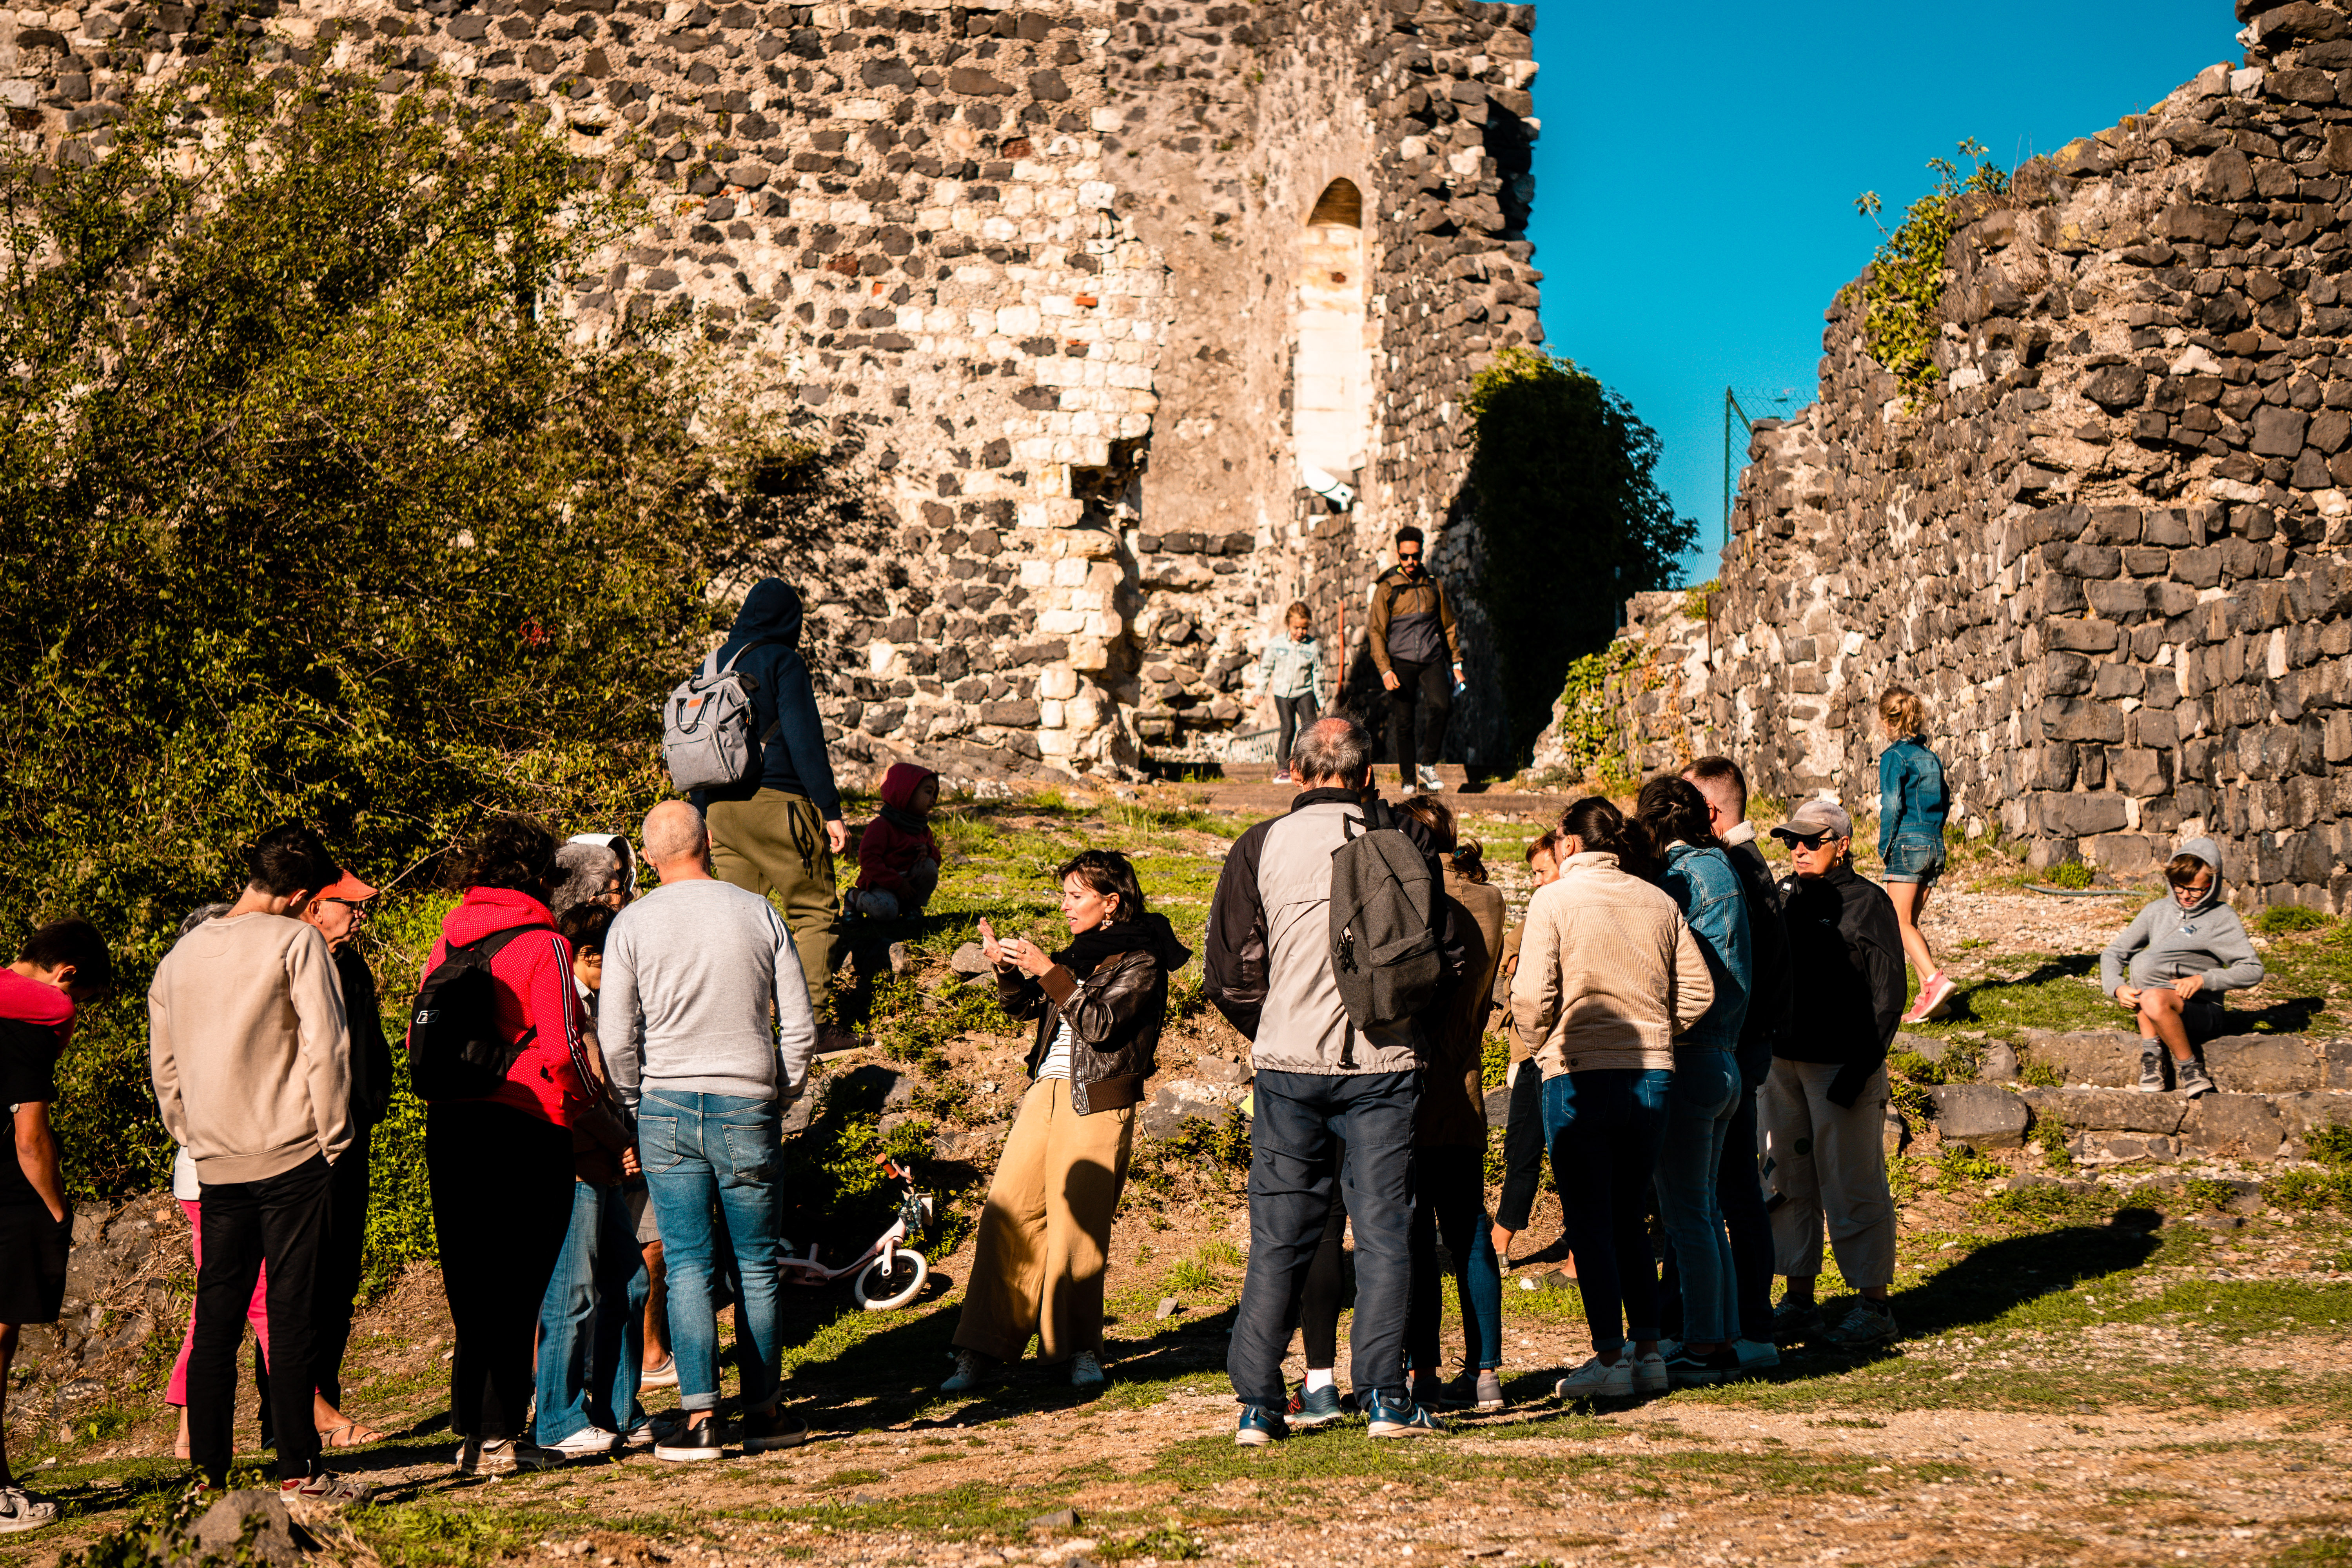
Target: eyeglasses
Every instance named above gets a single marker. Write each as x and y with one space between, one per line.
2197 889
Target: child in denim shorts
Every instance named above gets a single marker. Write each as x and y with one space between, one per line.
1911 805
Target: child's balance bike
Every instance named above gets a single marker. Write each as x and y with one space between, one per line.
888 1275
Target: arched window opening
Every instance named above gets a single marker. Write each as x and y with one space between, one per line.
1330 419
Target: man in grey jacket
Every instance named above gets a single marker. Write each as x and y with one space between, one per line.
2183 950
1318 1084
707 1032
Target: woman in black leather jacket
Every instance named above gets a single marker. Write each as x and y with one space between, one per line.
1045 1230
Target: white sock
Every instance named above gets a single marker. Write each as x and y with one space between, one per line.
1319 1377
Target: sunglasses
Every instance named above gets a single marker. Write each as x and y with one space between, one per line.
1804 840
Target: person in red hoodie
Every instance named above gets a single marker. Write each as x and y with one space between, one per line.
897 858
502 1166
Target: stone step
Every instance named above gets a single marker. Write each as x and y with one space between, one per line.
1455 774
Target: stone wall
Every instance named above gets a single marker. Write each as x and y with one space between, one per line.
2109 548
1032 271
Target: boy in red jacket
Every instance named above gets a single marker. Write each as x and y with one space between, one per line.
897 858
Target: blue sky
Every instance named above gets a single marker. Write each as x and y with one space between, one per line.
1695 177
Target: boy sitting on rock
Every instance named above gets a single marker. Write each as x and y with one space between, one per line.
897 858
2188 945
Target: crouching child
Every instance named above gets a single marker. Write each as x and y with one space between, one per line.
897 858
2172 963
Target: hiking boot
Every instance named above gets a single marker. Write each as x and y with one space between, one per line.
1597 1379
1085 1371
1650 1374
505 1457
586 1442
2151 1070
20 1510
1429 781
1315 1406
1870 1325
326 1486
1757 1354
972 1370
1791 1325
1688 1368
765 1433
1400 1418
1259 1425
687 1445
2194 1080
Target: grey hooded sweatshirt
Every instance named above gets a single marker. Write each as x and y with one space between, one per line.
2167 941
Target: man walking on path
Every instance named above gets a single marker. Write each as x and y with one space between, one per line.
693 972
251 1056
1419 653
778 830
1319 1082
62 966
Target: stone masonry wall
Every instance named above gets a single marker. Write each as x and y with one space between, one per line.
2109 550
1031 270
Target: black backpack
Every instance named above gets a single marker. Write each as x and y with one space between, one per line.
455 1050
1384 910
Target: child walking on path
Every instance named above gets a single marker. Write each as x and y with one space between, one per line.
2188 945
1911 805
1292 673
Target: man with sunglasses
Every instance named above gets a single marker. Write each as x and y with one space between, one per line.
1419 653
1824 1109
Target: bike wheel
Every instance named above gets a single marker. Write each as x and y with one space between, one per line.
878 1291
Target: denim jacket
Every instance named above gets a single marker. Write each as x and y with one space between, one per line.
1912 801
1291 669
1707 890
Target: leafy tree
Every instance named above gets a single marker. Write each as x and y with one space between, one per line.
1573 519
315 510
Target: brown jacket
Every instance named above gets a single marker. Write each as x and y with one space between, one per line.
1115 1017
1394 597
1452 1089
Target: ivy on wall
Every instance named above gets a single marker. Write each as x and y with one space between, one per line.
1902 292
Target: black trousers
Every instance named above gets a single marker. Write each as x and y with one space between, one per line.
1449 1198
1422 703
282 1220
1294 713
501 1207
339 1270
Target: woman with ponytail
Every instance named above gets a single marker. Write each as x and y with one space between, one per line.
1609 975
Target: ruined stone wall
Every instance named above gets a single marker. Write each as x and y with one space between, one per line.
1032 271
2109 550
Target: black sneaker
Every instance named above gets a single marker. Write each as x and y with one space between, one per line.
1790 1324
1687 1369
2194 1080
1869 1326
1403 1418
763 1434
691 1443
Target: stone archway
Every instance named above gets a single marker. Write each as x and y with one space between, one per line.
1332 378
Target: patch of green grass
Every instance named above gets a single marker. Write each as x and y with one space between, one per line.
2319 1552
2330 1144
1190 1274
2028 991
2278 920
855 1478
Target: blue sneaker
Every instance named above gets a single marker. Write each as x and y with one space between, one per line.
1259 1427
1314 1406
1400 1418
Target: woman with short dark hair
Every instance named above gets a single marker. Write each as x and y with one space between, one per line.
1046 1231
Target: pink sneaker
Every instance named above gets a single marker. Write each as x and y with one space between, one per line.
1933 998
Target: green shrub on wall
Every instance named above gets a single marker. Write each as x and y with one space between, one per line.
1903 293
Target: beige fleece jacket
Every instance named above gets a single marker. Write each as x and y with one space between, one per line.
250 1049
1608 972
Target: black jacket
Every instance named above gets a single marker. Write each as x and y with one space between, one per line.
1845 959
1523 1148
1770 994
371 1052
792 755
1115 1014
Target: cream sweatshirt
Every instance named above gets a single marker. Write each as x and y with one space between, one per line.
1608 972
249 1049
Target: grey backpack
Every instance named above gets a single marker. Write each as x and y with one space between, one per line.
1384 910
707 726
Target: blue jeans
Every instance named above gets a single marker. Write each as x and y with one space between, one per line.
1604 1130
592 1324
1295 1137
1699 1111
1449 1199
704 1152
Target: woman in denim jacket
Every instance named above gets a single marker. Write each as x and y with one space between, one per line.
1911 805
1698 875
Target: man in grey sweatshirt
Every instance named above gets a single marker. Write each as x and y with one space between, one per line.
707 1031
2187 945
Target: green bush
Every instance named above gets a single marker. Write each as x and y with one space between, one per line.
2072 875
1903 293
2278 920
2330 1144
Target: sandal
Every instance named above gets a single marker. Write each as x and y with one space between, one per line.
344 1436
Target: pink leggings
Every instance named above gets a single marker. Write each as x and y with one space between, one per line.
256 1311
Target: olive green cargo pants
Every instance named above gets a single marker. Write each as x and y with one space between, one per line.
774 844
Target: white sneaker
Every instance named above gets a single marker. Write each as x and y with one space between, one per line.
972 1369
1085 1371
662 1376
1597 1379
1429 782
590 1440
1650 1373
1757 1352
20 1510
